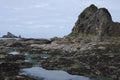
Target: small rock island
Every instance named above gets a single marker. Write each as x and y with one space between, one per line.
10 35
92 49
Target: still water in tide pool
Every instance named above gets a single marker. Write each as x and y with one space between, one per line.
51 74
38 72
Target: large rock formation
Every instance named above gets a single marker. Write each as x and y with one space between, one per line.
9 35
95 22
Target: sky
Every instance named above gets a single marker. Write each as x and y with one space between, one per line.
47 18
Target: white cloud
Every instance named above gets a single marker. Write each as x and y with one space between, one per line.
43 26
20 8
32 6
9 19
28 22
62 27
41 5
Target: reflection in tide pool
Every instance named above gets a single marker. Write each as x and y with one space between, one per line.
51 74
14 53
39 72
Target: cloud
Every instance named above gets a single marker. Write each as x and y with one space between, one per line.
41 5
28 22
62 27
43 26
8 19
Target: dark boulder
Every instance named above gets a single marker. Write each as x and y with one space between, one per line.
9 69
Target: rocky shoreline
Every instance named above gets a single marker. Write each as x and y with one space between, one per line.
99 59
91 49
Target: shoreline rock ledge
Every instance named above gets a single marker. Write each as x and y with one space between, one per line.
95 23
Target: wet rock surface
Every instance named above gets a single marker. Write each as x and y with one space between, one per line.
96 59
100 59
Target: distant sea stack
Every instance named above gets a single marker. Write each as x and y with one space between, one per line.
95 22
10 35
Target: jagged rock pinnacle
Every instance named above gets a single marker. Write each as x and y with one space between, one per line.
95 22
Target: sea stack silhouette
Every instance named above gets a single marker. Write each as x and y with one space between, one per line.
10 35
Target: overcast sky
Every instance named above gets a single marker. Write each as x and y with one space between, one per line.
47 18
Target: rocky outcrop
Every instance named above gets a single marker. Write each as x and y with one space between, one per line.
76 53
10 35
95 22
